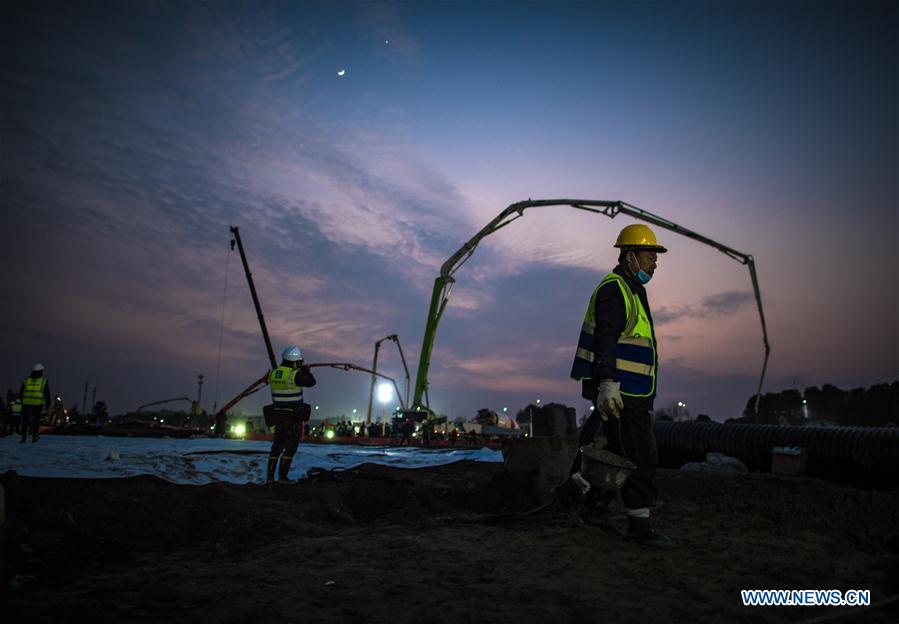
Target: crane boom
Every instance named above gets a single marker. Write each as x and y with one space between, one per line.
345 366
161 402
374 368
443 284
246 267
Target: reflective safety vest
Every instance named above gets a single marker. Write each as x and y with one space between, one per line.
16 407
285 392
635 358
34 391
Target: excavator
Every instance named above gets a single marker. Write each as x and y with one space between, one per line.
443 284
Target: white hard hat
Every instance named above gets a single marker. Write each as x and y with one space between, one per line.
292 354
37 367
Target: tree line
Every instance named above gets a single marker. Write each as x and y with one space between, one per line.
876 406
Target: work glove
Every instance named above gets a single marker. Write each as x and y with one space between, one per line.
608 399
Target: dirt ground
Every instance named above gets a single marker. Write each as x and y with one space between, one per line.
381 544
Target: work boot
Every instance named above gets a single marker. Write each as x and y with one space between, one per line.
284 468
270 469
640 531
35 438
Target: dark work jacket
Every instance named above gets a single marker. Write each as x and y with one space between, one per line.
303 377
611 316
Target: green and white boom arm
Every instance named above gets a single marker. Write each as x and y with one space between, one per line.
443 285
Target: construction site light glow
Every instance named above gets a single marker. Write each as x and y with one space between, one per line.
385 393
329 434
240 430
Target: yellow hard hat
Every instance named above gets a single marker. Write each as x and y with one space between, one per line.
639 236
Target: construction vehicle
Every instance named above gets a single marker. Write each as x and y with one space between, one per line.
263 380
443 284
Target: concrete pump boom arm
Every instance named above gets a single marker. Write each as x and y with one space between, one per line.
161 402
263 381
443 285
374 367
345 366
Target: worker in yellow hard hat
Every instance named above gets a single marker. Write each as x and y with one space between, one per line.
616 362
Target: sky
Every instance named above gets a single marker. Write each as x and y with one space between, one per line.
135 134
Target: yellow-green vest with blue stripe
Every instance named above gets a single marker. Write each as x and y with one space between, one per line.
635 358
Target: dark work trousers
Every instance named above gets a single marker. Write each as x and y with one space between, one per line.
31 420
634 431
635 428
287 435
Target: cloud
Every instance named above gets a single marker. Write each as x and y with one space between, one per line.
670 314
725 303
715 306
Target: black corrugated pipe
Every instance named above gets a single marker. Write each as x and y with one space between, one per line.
864 455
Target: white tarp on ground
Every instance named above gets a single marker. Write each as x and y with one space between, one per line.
201 460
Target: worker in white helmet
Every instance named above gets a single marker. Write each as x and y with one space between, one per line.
289 410
36 398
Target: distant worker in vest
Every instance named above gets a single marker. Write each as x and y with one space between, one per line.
290 411
15 416
35 393
617 363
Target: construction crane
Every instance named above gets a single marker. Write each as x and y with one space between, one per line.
246 268
374 368
443 284
257 385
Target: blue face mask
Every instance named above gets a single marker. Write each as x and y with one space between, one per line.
640 275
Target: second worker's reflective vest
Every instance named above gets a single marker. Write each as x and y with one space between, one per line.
285 392
16 408
635 358
34 391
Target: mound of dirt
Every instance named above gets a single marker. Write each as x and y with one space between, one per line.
442 544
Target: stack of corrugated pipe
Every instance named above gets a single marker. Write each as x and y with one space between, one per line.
864 456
